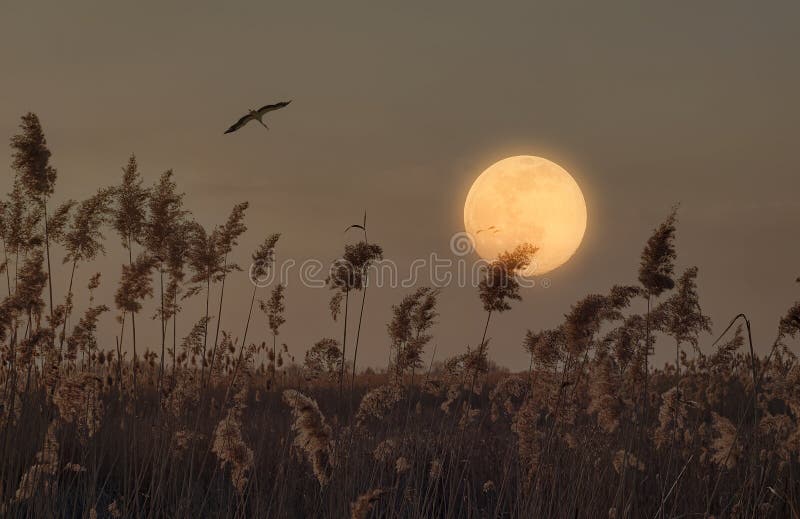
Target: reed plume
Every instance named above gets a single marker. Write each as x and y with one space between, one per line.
84 239
347 274
411 319
529 436
506 397
363 505
40 477
273 308
323 360
31 160
656 271
367 259
658 258
113 509
165 218
402 465
230 447
313 436
32 279
134 286
207 267
77 399
192 344
128 218
790 323
606 394
263 262
227 238
499 285
377 403
385 450
725 450
177 257
623 459
83 334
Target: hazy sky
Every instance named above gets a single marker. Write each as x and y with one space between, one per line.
397 107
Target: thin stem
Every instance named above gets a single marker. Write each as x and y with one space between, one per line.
249 314
430 367
163 328
219 313
358 332
344 340
646 357
671 488
174 331
8 273
133 322
360 313
69 306
119 349
275 359
530 366
480 351
241 349
205 331
236 365
485 329
47 249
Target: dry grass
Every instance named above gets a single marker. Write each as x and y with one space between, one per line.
210 427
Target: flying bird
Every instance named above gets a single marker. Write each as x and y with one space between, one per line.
256 115
492 228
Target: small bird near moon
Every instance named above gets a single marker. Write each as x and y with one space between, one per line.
257 115
492 228
526 199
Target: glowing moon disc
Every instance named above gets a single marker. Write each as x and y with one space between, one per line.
526 199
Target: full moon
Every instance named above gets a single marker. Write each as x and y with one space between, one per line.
526 199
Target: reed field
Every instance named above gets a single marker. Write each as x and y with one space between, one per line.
228 423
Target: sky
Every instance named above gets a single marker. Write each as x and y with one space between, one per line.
398 107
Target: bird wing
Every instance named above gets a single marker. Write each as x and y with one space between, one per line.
238 124
269 108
